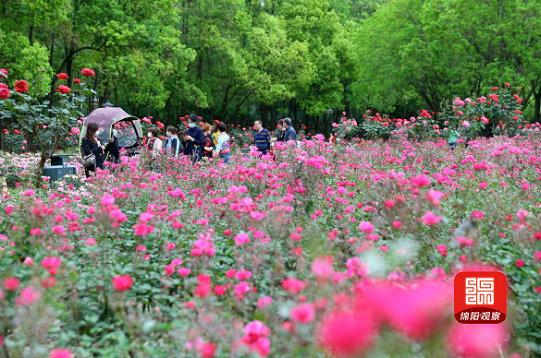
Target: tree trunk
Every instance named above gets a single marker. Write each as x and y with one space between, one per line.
106 94
347 100
184 21
41 165
117 99
5 8
264 112
199 68
537 106
31 34
51 52
6 352
225 100
536 94
241 103
94 99
69 64
273 114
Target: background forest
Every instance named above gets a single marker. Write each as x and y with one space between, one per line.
238 60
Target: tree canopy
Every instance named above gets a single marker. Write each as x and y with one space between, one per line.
244 59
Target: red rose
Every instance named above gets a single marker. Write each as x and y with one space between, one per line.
77 80
63 89
4 72
425 114
21 86
88 72
4 91
62 76
122 283
16 131
11 283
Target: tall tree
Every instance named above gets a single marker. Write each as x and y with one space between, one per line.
236 59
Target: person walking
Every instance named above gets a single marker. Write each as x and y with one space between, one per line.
194 139
172 143
92 150
262 137
223 148
289 133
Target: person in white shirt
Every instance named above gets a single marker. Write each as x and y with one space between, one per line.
154 143
223 147
172 143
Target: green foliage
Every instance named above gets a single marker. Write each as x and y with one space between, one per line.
427 51
235 59
29 62
499 114
80 309
43 126
371 126
279 66
226 57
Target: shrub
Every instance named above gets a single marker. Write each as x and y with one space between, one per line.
46 125
297 255
499 113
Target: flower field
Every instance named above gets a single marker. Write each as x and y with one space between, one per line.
343 249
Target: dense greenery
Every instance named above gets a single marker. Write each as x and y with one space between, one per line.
310 59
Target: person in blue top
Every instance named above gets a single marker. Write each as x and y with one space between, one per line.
194 139
290 133
262 137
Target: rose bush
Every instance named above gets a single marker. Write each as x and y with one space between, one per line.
498 113
372 126
377 126
17 169
348 249
41 125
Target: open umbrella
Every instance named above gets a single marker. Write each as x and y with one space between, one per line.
129 128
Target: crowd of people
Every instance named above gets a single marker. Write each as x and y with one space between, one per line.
200 141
